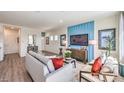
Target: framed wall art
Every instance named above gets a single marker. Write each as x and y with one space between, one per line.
63 40
107 39
47 40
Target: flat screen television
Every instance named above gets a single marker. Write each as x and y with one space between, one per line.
81 40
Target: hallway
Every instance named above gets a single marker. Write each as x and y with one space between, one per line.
12 69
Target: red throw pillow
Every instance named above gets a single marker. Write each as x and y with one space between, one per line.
57 62
96 67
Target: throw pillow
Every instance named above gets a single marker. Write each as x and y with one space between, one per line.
112 60
103 57
46 61
109 65
57 62
96 67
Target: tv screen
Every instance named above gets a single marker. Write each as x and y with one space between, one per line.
81 40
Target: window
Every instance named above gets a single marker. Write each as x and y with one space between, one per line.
51 38
30 39
55 37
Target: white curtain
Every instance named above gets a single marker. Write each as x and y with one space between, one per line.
121 38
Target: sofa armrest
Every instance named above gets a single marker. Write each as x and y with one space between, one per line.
109 74
64 74
107 77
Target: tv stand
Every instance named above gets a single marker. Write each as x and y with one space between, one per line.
79 54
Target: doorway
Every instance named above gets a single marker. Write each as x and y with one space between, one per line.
11 40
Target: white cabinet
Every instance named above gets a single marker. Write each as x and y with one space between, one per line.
1 51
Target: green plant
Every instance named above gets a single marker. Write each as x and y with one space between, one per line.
109 40
67 53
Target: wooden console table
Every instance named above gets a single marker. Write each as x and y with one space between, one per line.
79 54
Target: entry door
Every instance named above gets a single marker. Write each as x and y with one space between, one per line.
11 44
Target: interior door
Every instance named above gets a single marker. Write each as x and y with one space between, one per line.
11 42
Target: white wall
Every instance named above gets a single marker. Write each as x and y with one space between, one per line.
55 45
106 23
10 37
101 23
23 41
24 32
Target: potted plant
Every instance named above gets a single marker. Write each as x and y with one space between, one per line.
67 54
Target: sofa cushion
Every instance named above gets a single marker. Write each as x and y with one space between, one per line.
32 53
47 62
57 62
103 58
96 67
44 60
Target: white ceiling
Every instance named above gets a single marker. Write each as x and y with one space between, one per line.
49 19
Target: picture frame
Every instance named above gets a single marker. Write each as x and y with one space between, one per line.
43 34
47 40
63 40
104 36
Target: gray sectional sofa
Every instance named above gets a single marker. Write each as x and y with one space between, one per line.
41 69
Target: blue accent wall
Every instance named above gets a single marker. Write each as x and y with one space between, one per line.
83 28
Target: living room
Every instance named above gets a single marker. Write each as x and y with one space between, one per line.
65 46
56 35
99 23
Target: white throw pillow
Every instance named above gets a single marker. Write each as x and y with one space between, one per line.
112 60
111 63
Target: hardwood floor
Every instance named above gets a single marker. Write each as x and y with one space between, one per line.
12 69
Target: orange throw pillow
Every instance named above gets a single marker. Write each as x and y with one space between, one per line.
57 62
96 67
